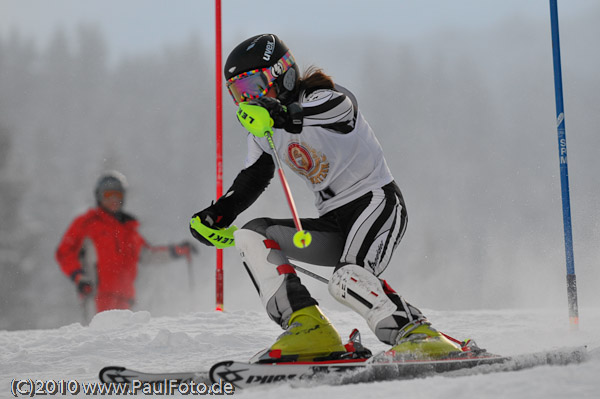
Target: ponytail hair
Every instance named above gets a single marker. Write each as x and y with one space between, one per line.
314 78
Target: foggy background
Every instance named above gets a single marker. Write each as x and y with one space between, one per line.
460 95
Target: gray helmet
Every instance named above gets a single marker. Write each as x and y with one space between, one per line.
110 181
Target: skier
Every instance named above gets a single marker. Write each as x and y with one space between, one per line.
101 248
320 133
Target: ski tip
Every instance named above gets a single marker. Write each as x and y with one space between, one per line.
107 373
215 376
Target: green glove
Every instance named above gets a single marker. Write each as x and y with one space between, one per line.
220 238
255 119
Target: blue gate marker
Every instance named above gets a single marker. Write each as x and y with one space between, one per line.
564 170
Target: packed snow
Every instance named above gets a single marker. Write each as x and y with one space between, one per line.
193 341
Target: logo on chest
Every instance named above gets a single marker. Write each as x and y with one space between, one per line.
307 162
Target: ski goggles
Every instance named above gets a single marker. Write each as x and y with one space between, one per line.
112 193
257 82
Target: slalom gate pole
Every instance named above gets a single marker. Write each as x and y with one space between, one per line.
564 172
219 149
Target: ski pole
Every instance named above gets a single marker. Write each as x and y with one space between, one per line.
258 121
310 274
302 238
84 301
192 283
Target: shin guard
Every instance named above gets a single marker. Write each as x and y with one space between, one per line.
278 286
385 311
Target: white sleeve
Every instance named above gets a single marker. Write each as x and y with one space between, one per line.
254 150
327 107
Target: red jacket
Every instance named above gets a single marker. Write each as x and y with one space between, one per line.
117 243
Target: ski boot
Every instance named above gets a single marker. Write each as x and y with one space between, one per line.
418 340
309 336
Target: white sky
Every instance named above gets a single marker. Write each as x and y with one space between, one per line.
139 26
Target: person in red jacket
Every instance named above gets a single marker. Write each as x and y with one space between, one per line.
101 249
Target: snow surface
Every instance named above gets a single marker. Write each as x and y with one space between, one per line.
193 341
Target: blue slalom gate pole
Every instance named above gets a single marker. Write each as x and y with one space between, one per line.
564 171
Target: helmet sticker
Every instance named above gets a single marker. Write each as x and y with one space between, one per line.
269 49
253 43
277 69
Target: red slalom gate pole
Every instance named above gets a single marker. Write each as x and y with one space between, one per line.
219 149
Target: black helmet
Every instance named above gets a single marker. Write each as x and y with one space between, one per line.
110 181
258 63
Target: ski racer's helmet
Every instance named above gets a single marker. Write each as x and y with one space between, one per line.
257 64
110 181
